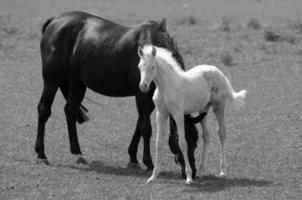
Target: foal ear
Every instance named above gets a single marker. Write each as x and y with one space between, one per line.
162 25
153 51
140 52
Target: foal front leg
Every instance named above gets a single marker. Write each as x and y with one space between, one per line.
179 118
161 119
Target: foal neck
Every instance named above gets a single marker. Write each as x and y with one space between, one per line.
168 75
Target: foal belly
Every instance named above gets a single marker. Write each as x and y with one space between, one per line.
196 100
191 107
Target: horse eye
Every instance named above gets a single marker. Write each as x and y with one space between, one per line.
153 67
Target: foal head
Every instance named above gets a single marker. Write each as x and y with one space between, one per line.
147 66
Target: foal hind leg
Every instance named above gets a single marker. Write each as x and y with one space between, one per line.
44 112
219 113
205 148
75 97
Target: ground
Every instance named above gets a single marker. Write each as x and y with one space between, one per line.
256 43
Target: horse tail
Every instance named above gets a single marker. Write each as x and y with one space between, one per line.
82 117
46 23
237 98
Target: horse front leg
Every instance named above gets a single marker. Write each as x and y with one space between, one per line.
132 149
161 119
145 106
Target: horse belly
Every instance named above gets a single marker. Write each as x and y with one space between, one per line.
109 83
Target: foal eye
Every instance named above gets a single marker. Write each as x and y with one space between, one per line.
153 67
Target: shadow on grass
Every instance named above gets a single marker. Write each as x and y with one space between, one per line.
136 170
102 168
213 183
208 183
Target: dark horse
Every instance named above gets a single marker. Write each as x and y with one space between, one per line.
81 50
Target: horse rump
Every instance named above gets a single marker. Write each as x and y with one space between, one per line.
46 23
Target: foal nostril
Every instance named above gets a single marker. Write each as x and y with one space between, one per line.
143 87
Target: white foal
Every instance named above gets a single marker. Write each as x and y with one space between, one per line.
181 92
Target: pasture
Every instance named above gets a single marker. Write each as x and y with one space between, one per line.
256 43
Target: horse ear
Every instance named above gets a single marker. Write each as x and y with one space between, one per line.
162 25
140 52
153 51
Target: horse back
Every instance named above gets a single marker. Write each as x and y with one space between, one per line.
93 49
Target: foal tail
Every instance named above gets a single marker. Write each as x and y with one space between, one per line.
224 88
237 98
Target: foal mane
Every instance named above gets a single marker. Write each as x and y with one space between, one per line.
165 55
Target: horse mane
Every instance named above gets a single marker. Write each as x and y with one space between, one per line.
172 46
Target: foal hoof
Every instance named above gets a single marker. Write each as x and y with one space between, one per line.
222 174
189 182
42 161
82 160
151 179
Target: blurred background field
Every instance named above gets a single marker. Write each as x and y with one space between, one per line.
256 43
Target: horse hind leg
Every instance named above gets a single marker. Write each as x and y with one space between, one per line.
75 97
219 113
44 112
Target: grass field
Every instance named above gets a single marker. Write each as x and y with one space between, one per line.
256 43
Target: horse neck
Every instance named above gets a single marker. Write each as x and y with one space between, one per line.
167 77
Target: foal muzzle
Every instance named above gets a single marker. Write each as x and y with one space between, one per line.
144 87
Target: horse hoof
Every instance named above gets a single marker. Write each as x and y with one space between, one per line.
150 168
133 165
183 175
43 161
82 160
